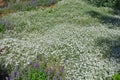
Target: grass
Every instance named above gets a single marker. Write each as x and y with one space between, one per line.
66 34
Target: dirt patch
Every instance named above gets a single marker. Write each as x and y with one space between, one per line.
50 6
4 13
3 3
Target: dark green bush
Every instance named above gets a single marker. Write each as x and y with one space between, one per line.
105 3
117 5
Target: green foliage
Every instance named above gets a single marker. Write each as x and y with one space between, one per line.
22 7
37 71
106 3
116 76
2 28
48 2
26 5
117 5
35 74
17 6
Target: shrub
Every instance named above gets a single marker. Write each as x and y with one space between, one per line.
105 3
117 5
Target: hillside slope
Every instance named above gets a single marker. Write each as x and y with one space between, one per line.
83 38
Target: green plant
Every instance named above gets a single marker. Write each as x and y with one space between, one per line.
105 3
35 74
117 5
48 2
37 71
116 76
2 28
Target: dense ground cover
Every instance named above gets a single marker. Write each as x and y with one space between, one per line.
82 38
106 3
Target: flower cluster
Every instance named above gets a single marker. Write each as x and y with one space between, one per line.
37 71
